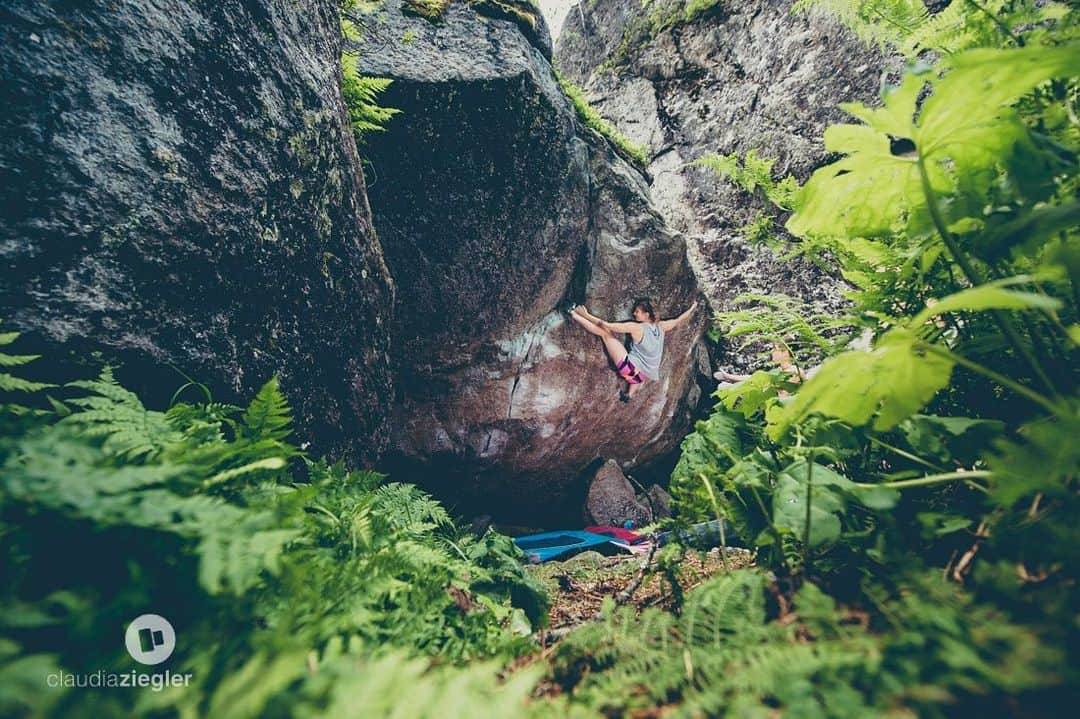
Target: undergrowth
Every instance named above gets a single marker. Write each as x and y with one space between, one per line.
910 464
316 580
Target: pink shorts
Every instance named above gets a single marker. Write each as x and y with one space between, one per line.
629 372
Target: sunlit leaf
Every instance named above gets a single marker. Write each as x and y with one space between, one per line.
986 297
886 385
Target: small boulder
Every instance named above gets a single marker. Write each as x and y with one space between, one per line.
611 499
660 502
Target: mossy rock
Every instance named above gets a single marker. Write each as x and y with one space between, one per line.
524 13
428 9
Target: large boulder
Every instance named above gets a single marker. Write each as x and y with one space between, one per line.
498 210
737 77
180 185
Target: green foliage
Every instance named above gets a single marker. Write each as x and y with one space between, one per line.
267 569
784 321
592 119
8 382
15 390
724 656
268 416
888 384
964 24
704 455
360 93
754 175
873 21
912 504
928 480
962 135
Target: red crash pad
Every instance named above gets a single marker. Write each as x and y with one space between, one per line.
618 533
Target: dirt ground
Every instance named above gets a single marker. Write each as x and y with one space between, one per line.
579 585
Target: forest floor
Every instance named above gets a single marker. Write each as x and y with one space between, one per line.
579 585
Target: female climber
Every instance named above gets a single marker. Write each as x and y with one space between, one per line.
642 362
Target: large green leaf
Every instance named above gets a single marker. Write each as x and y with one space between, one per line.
987 297
826 503
888 384
750 395
945 439
964 133
710 450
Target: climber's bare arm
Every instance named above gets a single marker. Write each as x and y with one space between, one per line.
668 325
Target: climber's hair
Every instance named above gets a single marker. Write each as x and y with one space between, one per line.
646 306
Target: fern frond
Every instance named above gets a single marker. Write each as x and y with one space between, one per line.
361 94
875 22
130 430
16 360
268 416
752 173
10 383
405 508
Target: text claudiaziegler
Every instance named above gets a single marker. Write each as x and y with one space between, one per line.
102 678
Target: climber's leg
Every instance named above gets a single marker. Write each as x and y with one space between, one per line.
581 310
589 326
614 347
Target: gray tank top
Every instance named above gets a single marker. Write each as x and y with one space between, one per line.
646 354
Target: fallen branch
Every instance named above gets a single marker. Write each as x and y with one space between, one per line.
625 595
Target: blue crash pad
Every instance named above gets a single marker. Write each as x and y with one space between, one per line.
553 545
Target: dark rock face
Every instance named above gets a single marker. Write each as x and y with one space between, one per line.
497 211
180 182
746 75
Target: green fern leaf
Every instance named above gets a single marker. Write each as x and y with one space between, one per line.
268 416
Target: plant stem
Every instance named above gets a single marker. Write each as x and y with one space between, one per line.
719 518
997 21
997 377
928 480
809 497
975 278
907 455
